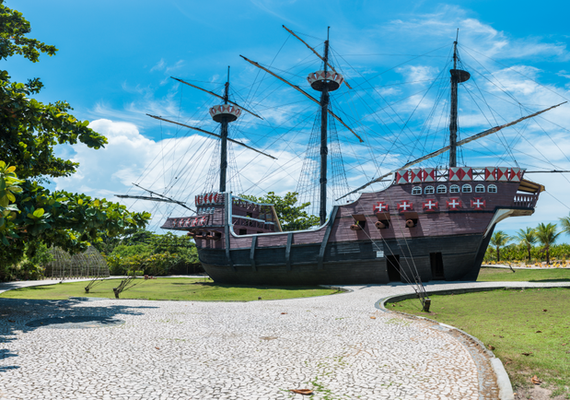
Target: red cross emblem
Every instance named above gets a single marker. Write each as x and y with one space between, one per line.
405 206
380 207
454 203
478 203
430 205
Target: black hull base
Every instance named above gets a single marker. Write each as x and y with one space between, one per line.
451 258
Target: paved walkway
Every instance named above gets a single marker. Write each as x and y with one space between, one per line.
340 346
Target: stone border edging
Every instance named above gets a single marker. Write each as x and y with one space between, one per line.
503 381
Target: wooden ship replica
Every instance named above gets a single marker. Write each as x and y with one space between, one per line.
428 224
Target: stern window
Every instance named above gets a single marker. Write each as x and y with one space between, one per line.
442 189
466 189
429 190
454 189
492 188
480 189
416 190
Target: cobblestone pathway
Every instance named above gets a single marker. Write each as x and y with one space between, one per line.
340 346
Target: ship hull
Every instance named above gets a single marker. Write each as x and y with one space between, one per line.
426 230
453 258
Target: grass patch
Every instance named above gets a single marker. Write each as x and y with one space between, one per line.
168 289
526 275
527 328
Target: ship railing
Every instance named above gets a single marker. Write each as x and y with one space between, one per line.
248 221
460 174
525 200
248 204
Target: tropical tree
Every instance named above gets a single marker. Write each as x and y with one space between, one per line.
565 222
31 215
527 237
498 240
291 217
547 235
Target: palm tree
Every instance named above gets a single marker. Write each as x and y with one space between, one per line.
565 222
527 237
547 235
498 240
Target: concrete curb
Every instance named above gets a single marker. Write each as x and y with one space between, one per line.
505 387
503 381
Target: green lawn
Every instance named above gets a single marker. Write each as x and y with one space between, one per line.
529 329
527 275
168 289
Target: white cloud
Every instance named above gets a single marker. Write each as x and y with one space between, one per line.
159 66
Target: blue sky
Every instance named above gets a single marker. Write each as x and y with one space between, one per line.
115 58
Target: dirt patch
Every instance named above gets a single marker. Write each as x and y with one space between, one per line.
536 393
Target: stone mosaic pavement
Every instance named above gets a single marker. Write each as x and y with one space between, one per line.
340 346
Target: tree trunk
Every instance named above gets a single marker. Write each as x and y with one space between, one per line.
498 254
528 248
117 292
427 303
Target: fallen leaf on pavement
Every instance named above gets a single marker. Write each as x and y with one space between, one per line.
158 348
304 392
372 317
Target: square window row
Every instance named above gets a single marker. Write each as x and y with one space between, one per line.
442 189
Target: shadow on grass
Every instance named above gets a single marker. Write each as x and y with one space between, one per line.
549 280
230 286
27 315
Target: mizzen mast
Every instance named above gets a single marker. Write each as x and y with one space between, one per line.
457 76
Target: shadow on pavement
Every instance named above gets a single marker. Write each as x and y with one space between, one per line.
27 315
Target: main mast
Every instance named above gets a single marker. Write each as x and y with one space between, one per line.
457 76
324 81
324 140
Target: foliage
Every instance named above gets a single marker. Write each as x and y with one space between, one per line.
31 215
34 217
547 235
153 254
527 237
565 222
291 217
31 129
498 240
30 267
